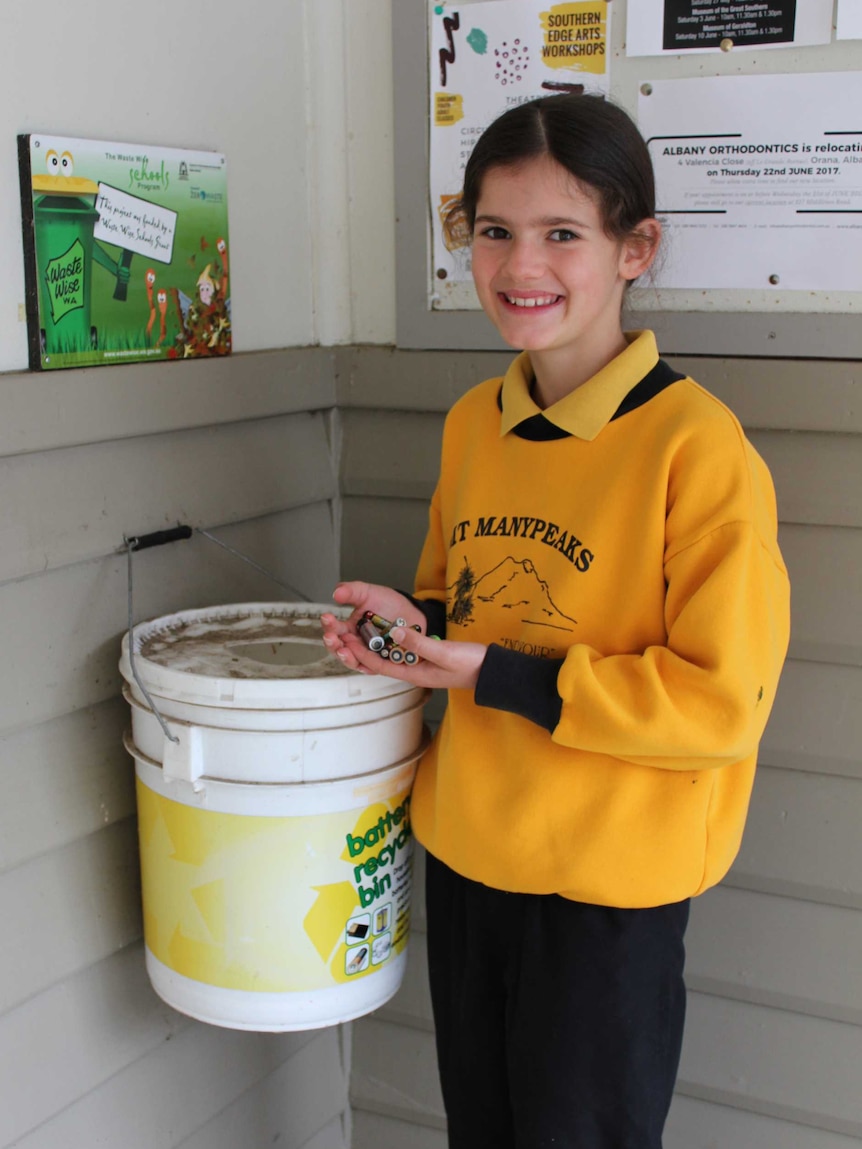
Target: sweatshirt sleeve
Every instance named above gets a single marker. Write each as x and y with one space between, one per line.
521 684
703 698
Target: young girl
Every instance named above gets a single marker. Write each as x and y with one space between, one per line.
602 564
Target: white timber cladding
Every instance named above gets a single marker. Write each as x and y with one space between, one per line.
88 1052
774 1037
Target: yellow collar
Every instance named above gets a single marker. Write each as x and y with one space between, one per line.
591 406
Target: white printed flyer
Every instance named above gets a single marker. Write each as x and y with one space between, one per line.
759 180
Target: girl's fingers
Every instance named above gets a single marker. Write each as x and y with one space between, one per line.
444 665
351 593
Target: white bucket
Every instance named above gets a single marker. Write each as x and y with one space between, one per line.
276 851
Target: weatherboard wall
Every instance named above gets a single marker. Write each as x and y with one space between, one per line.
89 1055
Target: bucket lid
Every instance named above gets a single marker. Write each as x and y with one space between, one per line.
249 655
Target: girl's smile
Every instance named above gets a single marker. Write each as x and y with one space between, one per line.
548 275
533 301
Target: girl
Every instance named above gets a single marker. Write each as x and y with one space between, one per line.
602 564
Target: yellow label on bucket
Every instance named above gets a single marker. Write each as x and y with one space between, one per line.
279 904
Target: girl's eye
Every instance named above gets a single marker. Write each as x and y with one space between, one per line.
494 232
562 235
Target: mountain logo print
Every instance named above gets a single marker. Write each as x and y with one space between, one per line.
513 584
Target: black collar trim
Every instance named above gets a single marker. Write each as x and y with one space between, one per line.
539 429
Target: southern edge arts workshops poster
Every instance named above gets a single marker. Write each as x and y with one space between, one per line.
485 58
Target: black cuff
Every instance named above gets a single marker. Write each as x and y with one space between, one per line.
521 684
435 614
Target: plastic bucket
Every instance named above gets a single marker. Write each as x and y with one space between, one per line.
276 851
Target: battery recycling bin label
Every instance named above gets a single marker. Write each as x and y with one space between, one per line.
275 904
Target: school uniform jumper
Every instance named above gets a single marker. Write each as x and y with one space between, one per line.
617 553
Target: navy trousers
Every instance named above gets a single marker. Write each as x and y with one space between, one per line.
558 1024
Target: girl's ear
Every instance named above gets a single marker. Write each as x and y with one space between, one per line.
640 248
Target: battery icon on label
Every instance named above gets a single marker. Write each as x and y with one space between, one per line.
357 960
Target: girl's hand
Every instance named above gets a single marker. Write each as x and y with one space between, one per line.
363 596
443 665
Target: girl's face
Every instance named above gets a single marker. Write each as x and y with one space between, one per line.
547 275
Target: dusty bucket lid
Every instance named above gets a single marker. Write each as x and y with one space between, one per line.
251 656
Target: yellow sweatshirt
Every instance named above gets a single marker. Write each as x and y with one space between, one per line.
618 553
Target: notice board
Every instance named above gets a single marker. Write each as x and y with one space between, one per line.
772 122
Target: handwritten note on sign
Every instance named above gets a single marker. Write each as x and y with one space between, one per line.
135 224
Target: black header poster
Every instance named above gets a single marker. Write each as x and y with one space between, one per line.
706 23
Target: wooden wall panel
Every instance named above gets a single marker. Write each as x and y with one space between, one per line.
381 539
63 780
292 1107
824 567
332 1136
783 394
166 1096
395 1072
784 952
42 411
375 1131
816 723
696 1124
65 626
392 454
75 504
66 910
771 1061
63 1043
817 476
802 833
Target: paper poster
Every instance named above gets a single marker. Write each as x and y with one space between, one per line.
849 24
656 27
759 180
125 250
486 58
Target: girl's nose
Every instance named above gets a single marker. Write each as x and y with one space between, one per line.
524 260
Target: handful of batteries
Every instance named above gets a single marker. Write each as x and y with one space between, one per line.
375 633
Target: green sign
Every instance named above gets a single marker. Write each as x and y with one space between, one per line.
64 277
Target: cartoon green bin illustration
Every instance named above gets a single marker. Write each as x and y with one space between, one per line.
64 214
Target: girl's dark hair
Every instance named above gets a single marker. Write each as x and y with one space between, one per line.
595 141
